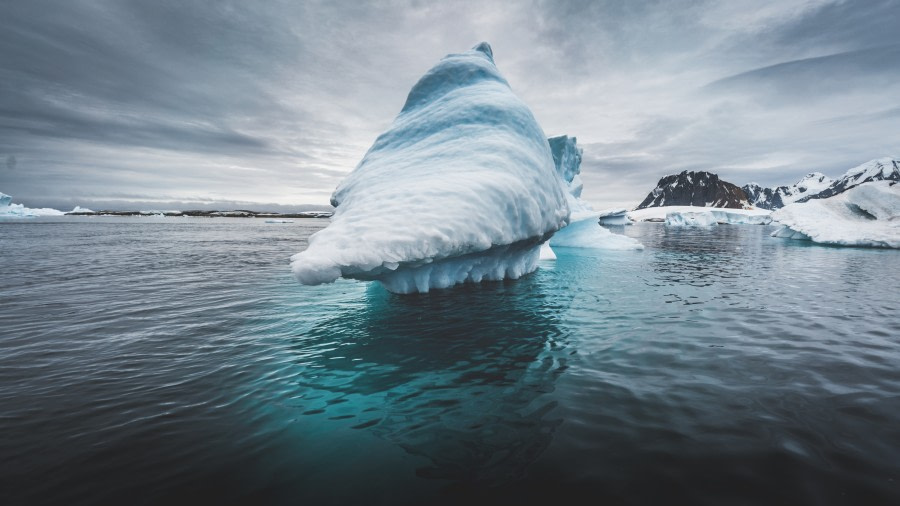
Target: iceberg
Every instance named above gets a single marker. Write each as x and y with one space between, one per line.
10 210
584 230
710 217
460 188
618 216
864 215
690 219
718 214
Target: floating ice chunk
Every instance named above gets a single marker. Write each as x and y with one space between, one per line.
788 233
546 252
585 232
45 211
865 215
279 221
614 217
461 188
721 215
10 210
690 219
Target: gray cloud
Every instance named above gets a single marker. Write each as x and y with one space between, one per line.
128 103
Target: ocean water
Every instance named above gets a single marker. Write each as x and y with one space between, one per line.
149 360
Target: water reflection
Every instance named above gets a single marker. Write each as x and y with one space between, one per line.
456 376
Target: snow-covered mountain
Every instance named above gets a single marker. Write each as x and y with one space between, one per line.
776 198
879 169
703 189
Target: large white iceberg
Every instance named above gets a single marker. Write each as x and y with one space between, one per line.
10 210
461 188
865 215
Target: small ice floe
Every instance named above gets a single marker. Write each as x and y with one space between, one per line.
279 221
614 217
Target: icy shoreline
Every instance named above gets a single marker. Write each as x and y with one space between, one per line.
681 215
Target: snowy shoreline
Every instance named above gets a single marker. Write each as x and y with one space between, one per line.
712 215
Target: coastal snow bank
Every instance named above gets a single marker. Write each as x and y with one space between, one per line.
865 215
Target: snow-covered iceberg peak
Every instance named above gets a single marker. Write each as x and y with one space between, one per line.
461 188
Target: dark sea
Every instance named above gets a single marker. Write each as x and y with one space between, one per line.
175 360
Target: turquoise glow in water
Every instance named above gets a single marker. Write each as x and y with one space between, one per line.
177 360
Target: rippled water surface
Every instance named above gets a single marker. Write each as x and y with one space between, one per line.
163 360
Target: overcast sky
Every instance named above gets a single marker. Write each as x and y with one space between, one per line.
117 103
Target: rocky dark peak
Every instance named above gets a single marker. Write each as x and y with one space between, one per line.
695 188
763 198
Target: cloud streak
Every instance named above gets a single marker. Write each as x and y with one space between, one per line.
275 102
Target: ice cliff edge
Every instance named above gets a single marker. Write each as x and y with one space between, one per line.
461 188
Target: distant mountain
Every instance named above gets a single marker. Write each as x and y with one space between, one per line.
880 169
776 198
700 188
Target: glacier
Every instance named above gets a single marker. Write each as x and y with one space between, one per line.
10 210
462 187
864 215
